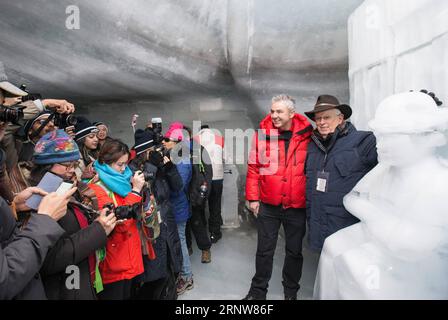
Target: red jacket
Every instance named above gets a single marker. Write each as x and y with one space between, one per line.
273 177
124 259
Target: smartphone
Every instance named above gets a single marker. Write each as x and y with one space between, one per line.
50 183
64 187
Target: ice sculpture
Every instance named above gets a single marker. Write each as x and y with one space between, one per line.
399 250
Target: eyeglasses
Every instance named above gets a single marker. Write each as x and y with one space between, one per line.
70 165
169 140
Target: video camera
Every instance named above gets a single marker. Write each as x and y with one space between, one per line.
156 157
14 115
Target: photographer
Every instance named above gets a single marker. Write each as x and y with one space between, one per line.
87 139
178 144
25 110
165 261
22 252
5 190
117 186
31 132
103 133
85 230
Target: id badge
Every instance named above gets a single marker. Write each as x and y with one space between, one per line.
322 181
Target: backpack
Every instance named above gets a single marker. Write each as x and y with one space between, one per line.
202 174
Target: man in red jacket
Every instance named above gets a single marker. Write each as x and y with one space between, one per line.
275 188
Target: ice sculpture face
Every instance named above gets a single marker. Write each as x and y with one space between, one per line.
402 240
405 126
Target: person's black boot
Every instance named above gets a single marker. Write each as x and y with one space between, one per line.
251 297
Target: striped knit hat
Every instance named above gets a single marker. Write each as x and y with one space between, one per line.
144 139
83 128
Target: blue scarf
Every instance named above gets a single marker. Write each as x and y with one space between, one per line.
119 183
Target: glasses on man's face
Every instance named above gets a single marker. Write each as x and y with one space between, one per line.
70 165
169 140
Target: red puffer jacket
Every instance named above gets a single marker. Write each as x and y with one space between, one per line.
273 177
124 259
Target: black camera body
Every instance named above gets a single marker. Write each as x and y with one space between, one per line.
157 130
63 121
31 96
8 114
149 171
123 212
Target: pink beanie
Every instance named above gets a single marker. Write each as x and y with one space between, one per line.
175 131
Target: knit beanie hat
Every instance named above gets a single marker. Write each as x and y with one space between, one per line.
98 123
144 139
83 128
175 131
23 131
55 147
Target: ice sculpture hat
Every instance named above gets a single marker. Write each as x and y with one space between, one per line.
410 112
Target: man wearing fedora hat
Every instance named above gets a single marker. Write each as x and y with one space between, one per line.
338 157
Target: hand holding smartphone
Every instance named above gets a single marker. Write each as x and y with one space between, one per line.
49 183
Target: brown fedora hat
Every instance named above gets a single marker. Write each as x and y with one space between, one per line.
327 102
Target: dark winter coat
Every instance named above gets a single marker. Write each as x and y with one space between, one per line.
349 155
202 172
22 253
167 246
73 248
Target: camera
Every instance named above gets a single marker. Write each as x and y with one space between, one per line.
127 212
123 212
149 171
13 115
157 129
30 96
63 121
156 156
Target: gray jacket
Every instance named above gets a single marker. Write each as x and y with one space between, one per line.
22 253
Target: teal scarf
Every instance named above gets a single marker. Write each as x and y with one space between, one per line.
119 183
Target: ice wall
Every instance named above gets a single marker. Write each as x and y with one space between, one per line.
146 49
124 50
396 46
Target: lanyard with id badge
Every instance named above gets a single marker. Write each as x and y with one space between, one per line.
322 181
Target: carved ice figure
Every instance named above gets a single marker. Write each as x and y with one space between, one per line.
399 250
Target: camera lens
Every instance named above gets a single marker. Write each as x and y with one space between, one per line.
71 120
13 115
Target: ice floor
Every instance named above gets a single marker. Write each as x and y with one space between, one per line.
229 275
